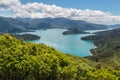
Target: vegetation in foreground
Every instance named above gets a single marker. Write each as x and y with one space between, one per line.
29 61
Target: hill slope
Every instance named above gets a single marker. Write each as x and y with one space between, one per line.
29 61
108 47
6 25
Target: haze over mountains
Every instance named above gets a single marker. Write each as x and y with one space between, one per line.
12 25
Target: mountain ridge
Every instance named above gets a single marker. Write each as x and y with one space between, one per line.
26 24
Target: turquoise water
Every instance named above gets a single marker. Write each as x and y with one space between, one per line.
71 44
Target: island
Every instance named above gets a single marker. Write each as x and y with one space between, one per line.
74 31
27 37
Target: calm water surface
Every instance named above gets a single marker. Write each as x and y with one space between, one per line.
71 44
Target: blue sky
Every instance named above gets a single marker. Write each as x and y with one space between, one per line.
96 11
112 6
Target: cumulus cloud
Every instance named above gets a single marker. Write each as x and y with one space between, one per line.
41 10
7 3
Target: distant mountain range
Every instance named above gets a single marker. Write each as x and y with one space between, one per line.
12 25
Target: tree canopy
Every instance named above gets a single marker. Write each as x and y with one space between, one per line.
21 60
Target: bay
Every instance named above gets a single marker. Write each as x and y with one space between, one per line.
70 44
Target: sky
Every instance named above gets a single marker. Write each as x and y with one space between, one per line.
96 11
112 6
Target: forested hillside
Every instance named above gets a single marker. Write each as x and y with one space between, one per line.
14 25
108 47
29 61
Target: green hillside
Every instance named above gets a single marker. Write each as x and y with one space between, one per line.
29 61
108 46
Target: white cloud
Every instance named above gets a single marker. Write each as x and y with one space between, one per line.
41 10
7 3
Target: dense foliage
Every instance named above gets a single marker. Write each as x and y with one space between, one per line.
29 61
